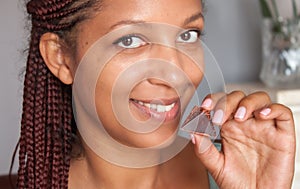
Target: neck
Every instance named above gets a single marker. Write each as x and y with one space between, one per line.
96 172
99 173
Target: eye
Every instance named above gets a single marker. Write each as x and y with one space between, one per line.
190 36
130 42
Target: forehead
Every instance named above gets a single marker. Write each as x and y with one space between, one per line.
173 12
150 10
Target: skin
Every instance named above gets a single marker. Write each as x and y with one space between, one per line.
258 148
252 155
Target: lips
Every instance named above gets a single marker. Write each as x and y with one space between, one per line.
158 109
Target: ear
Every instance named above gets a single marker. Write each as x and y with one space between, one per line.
55 57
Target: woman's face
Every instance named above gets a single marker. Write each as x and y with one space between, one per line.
150 97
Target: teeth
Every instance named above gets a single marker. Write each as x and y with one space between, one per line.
161 108
157 107
153 106
147 105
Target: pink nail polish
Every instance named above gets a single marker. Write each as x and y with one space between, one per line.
266 111
218 117
193 139
206 103
240 113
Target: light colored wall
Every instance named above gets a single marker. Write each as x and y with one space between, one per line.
11 47
233 35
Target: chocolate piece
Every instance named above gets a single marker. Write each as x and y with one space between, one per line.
198 121
196 111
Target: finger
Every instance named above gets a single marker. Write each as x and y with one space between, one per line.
209 102
226 107
208 154
282 115
251 103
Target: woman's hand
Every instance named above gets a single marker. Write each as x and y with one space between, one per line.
258 142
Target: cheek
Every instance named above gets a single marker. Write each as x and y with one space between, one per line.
197 76
191 62
103 93
102 99
194 72
104 87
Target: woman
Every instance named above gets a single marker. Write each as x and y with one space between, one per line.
258 138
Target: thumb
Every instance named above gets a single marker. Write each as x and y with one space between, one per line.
208 154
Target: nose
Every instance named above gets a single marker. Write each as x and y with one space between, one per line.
171 67
167 54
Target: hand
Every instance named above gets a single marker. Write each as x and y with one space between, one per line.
258 142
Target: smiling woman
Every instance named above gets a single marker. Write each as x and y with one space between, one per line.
131 67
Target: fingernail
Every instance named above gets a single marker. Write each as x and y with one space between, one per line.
218 117
193 139
266 111
240 113
206 103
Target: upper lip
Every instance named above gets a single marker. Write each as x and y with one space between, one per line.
161 101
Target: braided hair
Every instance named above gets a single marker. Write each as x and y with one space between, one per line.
47 126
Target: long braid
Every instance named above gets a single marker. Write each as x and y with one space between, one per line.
40 117
67 121
27 124
55 109
47 128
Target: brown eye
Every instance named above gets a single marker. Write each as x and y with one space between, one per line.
190 36
185 36
127 42
130 42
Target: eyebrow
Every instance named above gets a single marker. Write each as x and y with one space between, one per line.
193 18
127 22
190 19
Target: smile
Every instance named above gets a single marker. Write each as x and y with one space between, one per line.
159 109
156 107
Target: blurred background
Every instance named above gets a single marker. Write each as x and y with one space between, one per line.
232 33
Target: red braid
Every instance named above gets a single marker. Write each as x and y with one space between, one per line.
47 131
40 8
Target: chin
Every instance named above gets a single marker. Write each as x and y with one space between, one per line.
158 139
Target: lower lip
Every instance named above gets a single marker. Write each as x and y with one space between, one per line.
166 116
